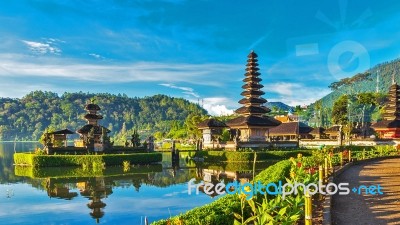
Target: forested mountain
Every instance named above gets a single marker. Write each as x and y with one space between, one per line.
28 117
366 95
365 82
279 106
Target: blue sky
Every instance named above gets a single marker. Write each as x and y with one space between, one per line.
192 49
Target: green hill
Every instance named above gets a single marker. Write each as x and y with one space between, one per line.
365 82
28 117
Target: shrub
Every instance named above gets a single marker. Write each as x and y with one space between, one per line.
89 160
231 156
221 211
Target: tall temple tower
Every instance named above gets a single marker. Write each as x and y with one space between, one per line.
389 127
392 109
252 125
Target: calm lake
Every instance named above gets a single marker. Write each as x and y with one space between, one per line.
69 196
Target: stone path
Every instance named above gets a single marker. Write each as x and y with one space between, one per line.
369 209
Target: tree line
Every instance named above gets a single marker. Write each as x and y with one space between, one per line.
28 117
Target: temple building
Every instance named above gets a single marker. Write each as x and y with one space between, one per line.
290 131
211 129
251 127
93 135
389 127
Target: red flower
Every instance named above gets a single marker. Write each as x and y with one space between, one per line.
299 164
311 170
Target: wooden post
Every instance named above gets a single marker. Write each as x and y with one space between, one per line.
349 155
254 165
308 209
321 174
326 172
341 158
363 154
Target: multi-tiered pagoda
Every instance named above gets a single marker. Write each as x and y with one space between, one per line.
252 125
389 127
93 133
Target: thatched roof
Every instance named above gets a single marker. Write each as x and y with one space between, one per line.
252 120
290 128
252 79
386 124
211 123
252 85
65 131
97 129
252 92
317 131
252 54
253 109
253 100
93 117
333 129
92 106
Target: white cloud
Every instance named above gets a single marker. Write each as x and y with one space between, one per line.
43 48
97 56
218 105
295 93
204 74
186 90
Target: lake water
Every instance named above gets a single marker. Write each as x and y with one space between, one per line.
68 196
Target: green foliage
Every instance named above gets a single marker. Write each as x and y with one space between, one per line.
364 82
75 172
221 211
94 161
233 156
339 111
28 117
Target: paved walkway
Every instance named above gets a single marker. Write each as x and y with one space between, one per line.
369 209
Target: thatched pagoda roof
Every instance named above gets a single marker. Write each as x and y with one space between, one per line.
253 120
252 79
252 92
253 100
92 106
386 124
65 131
97 129
93 117
211 123
252 109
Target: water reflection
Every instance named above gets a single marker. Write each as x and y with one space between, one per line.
109 196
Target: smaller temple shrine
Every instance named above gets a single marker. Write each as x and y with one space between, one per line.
211 129
93 135
389 127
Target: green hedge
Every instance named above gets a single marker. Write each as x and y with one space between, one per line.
78 160
221 211
67 172
231 156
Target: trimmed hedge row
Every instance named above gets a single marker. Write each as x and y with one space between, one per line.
227 156
67 172
237 166
30 159
221 211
